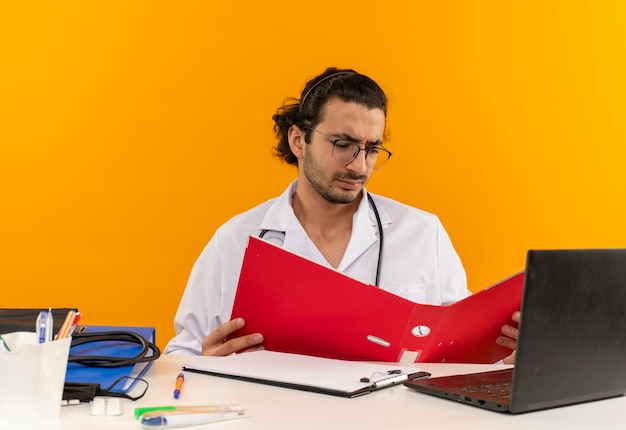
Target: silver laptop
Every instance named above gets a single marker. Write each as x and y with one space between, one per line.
572 338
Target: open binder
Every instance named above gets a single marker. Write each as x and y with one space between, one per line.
301 372
302 307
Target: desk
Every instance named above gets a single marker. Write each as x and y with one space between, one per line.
276 408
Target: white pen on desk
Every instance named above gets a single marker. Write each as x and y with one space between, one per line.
154 411
172 420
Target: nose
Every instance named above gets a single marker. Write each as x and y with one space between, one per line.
358 164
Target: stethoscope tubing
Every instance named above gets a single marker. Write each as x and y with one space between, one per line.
380 237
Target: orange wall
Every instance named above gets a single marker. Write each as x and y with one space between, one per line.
131 130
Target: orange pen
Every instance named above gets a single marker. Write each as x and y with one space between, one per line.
179 384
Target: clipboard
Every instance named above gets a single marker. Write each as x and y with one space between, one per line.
303 307
320 375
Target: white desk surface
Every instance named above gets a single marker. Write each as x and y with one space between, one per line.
276 408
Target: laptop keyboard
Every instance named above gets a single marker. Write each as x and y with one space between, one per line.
501 390
491 388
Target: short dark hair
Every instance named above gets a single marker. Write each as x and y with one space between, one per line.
346 84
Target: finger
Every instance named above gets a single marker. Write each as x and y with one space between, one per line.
255 348
510 359
507 342
510 331
222 332
216 344
516 316
242 343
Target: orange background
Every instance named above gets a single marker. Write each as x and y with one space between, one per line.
130 131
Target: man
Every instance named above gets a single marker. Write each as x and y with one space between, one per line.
334 134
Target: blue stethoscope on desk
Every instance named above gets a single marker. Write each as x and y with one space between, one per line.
380 237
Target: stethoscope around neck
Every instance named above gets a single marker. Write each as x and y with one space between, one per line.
380 237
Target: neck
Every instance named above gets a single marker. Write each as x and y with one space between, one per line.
328 225
315 212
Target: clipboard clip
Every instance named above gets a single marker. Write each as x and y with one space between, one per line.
373 375
391 377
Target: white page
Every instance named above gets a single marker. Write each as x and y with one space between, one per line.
325 373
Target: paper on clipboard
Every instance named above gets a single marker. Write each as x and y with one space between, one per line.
302 372
302 307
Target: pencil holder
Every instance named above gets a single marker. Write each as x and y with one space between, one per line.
32 375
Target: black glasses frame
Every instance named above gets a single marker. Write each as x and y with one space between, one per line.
380 150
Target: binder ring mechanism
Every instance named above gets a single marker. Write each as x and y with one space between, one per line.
420 331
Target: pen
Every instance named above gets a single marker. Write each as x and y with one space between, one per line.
153 411
40 326
65 328
179 384
49 325
74 324
180 420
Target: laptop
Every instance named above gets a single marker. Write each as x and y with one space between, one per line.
572 338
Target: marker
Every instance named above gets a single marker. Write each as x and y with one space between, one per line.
179 384
154 411
191 419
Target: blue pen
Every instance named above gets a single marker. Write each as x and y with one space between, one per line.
40 327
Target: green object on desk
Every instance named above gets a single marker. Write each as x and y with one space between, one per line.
197 409
140 411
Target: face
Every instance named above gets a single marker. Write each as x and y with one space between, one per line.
337 182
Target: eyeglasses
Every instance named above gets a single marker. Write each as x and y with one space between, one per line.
345 151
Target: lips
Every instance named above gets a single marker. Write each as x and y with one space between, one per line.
351 185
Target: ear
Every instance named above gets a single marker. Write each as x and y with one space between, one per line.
296 141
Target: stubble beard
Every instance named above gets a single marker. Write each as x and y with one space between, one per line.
314 173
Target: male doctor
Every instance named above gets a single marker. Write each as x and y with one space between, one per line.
335 135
